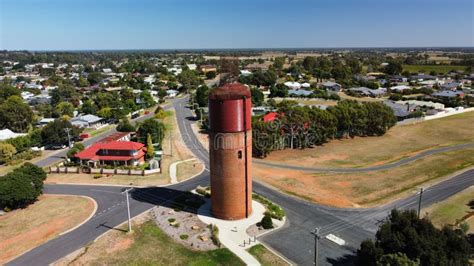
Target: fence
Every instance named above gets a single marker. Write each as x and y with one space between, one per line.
436 116
78 170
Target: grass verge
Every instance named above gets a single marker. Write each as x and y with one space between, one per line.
265 256
148 245
453 210
23 229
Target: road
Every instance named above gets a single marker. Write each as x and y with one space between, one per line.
293 241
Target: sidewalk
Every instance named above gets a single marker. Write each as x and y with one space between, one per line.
232 234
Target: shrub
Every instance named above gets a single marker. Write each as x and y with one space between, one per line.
184 237
275 211
176 225
97 176
266 222
215 235
171 220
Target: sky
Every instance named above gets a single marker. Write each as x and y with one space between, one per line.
201 24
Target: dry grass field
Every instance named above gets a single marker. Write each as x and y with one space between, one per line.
397 143
24 229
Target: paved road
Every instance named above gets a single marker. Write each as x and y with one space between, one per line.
293 241
367 169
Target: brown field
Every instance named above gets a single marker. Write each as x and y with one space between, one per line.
367 188
24 229
179 152
399 142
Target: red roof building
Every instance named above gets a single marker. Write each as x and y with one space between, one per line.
113 153
270 117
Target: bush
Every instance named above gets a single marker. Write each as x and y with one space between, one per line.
266 222
184 237
125 126
275 211
22 186
97 176
215 235
171 220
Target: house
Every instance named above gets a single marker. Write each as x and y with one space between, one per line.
398 79
426 104
363 91
172 93
113 153
119 136
207 68
299 93
448 94
401 111
421 77
270 117
245 72
292 85
400 88
452 86
331 86
45 121
8 134
87 121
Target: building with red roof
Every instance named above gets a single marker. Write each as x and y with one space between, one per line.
113 153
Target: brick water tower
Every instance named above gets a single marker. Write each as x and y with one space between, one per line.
230 151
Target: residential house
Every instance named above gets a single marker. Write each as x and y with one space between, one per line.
299 93
448 94
8 134
207 68
331 86
113 153
401 111
400 88
452 86
363 91
87 121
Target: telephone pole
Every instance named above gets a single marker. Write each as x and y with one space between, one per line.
68 136
317 236
419 201
128 208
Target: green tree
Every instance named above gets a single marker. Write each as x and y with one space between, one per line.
15 114
189 80
6 152
279 90
152 127
82 82
403 232
202 95
6 91
94 78
64 108
65 93
150 150
125 126
393 68
397 259
211 74
54 133
146 99
257 96
89 107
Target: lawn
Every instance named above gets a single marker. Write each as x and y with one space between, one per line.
452 209
399 142
367 188
265 256
148 245
23 229
428 68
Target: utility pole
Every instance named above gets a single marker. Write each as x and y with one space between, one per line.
68 136
128 208
317 236
419 202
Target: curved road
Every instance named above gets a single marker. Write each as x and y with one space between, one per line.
294 240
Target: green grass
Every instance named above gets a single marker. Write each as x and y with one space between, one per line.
265 256
153 247
428 68
452 209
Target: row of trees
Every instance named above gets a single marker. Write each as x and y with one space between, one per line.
404 239
303 127
21 187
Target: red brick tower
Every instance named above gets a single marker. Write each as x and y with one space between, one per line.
230 150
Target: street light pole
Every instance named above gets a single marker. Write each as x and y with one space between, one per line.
419 201
68 136
317 236
128 209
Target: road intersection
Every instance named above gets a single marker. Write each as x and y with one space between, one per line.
294 240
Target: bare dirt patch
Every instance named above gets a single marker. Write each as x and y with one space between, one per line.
23 229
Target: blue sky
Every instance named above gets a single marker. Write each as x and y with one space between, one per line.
179 24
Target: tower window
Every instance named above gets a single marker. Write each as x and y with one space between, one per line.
239 154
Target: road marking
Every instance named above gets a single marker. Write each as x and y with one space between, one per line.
335 239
